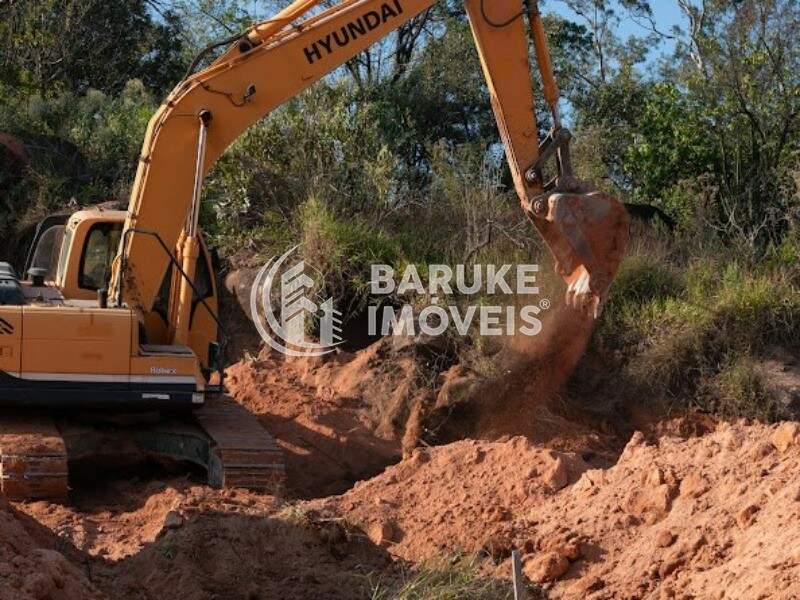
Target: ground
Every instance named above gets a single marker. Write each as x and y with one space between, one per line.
686 508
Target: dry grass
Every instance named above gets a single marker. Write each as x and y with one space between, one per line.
456 578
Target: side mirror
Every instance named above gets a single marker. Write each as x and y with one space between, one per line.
37 275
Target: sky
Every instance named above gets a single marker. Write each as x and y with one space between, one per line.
666 13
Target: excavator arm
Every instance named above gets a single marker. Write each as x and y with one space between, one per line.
275 60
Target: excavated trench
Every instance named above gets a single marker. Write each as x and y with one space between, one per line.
491 464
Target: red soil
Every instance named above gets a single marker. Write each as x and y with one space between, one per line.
700 511
716 516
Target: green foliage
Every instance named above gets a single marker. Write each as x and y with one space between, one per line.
84 149
314 145
671 145
52 46
742 390
682 330
343 251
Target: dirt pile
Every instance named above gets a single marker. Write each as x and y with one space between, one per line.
347 416
341 418
691 509
456 497
31 568
716 516
177 540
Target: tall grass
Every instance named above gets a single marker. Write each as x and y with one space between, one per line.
688 324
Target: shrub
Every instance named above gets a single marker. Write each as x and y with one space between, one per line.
688 331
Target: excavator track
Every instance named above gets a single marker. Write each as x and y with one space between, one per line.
243 454
33 458
222 437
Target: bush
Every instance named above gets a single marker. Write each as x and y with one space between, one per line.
686 331
741 390
83 150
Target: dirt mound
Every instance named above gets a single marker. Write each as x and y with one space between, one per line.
716 516
690 508
339 419
240 545
347 416
177 540
30 566
456 497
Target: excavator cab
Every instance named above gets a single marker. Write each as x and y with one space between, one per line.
71 256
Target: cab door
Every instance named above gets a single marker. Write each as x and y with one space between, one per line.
203 330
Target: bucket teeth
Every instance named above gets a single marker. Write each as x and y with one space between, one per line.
587 233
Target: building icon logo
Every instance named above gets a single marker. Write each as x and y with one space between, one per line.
284 327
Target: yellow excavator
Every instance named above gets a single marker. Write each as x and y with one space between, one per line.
118 311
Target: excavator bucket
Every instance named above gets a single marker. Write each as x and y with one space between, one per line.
587 233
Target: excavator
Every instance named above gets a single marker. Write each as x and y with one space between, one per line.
118 310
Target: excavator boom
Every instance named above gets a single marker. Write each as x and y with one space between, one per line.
275 60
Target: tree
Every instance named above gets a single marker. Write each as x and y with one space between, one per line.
741 64
76 45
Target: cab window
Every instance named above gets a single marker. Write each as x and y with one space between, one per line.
99 250
47 251
202 278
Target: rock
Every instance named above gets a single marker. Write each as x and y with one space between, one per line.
419 457
670 566
693 485
382 533
654 477
651 503
585 586
636 442
762 450
731 440
590 479
556 477
546 567
786 436
665 538
746 516
477 456
239 283
173 520
567 545
499 545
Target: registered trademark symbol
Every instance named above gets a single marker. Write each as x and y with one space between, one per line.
544 303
